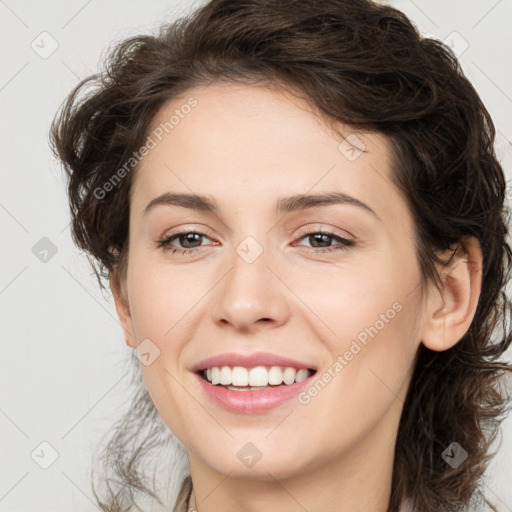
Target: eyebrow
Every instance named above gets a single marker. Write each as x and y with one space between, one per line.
283 205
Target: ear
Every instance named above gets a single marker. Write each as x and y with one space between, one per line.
123 308
450 311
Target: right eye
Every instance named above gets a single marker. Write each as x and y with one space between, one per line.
185 238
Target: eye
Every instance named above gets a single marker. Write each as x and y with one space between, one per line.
190 241
319 238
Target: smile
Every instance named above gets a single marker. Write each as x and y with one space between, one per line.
238 377
253 390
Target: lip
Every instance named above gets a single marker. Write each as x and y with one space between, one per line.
250 361
252 402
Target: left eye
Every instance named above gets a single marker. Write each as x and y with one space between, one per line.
186 237
325 237
190 241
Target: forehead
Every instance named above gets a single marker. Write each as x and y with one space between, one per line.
246 144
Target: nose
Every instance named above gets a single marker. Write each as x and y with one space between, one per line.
249 296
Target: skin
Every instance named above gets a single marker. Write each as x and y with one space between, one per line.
246 147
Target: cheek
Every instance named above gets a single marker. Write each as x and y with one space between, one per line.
162 309
362 298
371 322
160 299
363 389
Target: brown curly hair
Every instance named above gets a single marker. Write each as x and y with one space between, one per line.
364 65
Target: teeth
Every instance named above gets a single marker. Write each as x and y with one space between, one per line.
259 376
275 375
225 375
289 375
239 376
302 374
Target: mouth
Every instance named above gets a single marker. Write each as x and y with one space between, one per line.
239 378
253 390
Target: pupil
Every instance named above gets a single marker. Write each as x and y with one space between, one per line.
189 238
320 235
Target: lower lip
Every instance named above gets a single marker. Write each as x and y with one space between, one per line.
252 402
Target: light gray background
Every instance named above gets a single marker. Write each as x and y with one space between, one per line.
63 366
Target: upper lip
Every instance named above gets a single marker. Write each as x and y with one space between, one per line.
249 361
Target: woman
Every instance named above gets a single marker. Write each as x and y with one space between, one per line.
301 217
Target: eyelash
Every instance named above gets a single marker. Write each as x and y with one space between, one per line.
165 243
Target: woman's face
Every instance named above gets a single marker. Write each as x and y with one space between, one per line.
258 280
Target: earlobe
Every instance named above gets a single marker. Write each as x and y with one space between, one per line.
451 309
122 308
